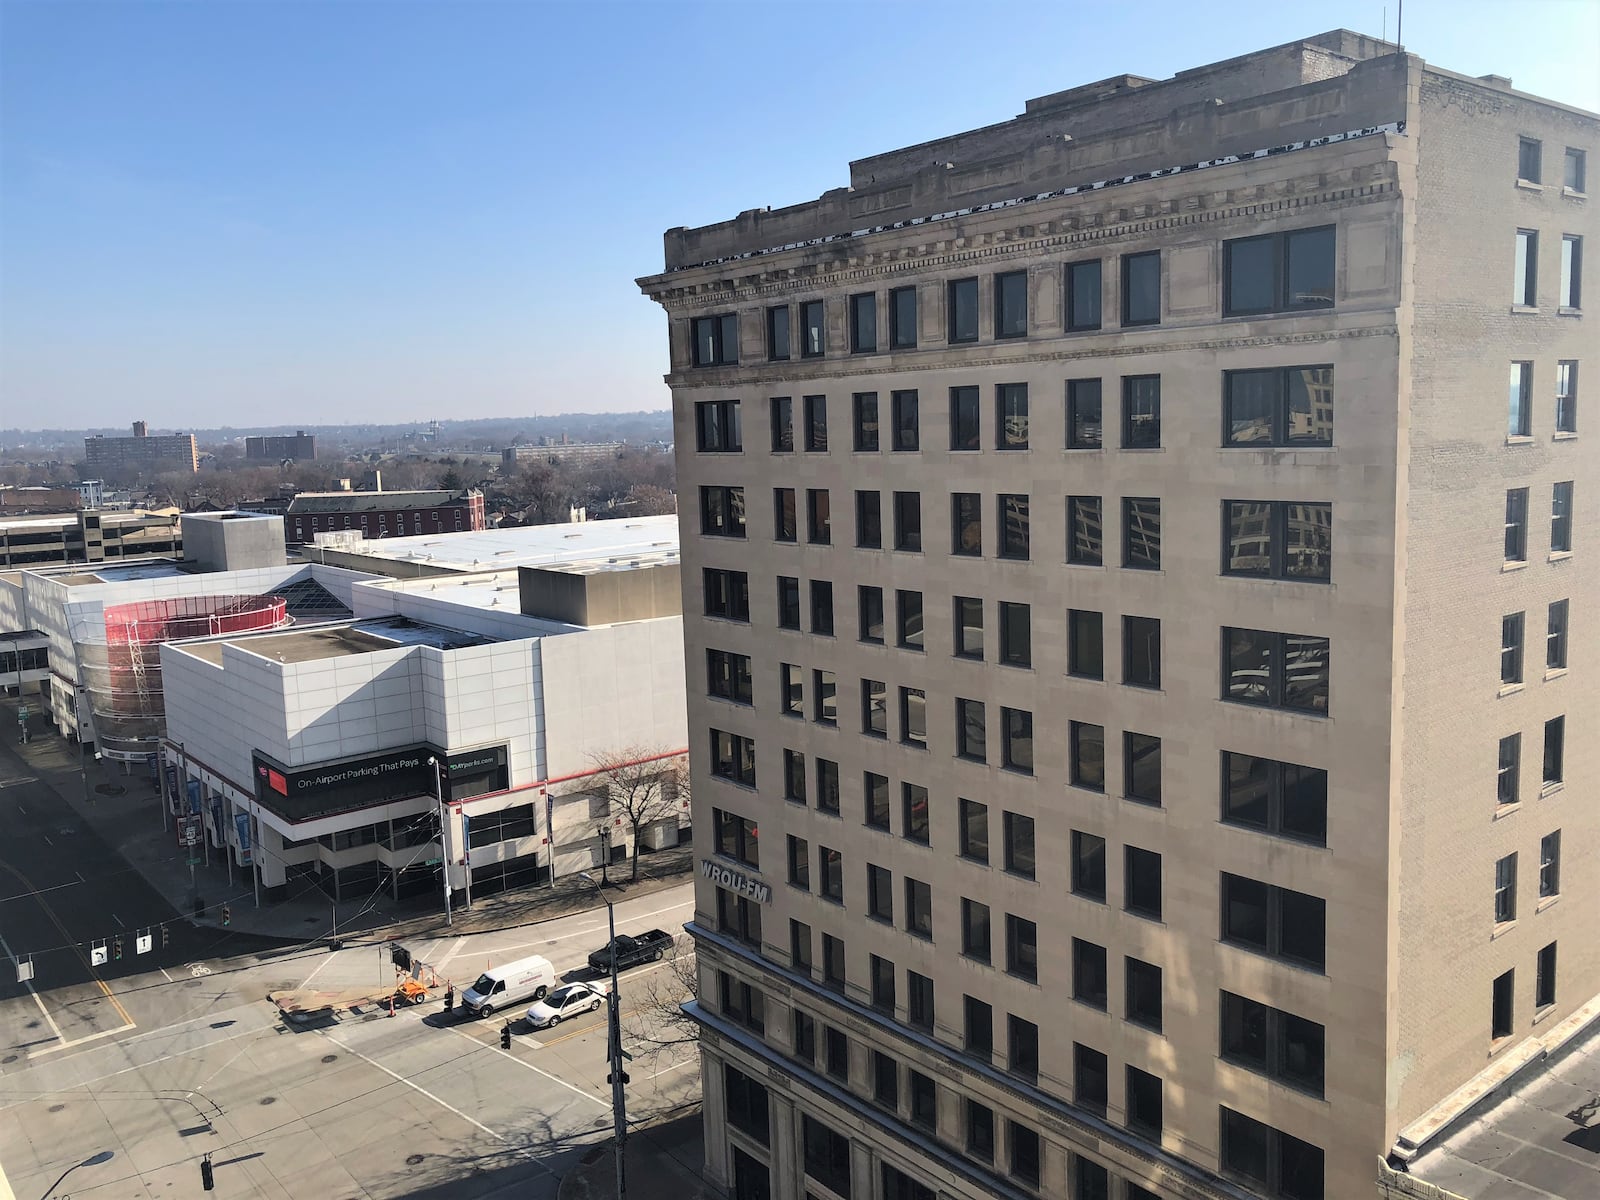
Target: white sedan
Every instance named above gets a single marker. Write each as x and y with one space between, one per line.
566 1001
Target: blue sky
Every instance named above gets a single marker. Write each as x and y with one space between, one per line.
226 212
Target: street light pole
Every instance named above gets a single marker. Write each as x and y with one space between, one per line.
619 1102
444 838
603 832
104 1156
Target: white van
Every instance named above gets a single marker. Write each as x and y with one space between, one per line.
499 986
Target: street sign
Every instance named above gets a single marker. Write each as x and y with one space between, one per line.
25 970
141 944
97 955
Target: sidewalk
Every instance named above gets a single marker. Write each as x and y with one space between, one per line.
663 1162
125 810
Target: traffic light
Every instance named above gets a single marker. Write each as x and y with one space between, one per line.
505 1036
206 1179
625 1078
165 937
227 915
116 947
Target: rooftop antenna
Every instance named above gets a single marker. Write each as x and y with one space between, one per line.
1399 22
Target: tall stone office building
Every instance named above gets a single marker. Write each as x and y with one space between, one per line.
1143 657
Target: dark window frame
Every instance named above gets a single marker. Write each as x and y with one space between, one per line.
1281 245
956 300
721 342
1006 305
863 322
898 321
1132 263
1076 320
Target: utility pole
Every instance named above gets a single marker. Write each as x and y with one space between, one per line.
444 837
615 1054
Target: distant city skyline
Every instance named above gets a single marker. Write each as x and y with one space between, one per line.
258 213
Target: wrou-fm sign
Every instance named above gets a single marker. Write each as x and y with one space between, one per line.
735 881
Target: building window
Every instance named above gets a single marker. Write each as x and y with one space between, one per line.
746 1103
1141 533
1019 847
1554 736
1011 512
1277 922
1141 882
1026 1153
863 323
1141 767
975 939
1544 979
1017 733
1502 1006
781 411
819 520
1571 271
971 730
914 813
907 420
1271 1160
1550 865
728 676
716 340
1141 412
1011 416
733 757
973 830
1560 517
968 622
816 412
727 594
799 862
830 875
1089 866
1022 948
880 974
1142 1106
1281 406
962 298
1085 531
1090 1180
914 717
1011 305
876 789
1574 170
874 708
908 521
1555 638
919 1015
1142 994
1278 272
908 619
1089 973
739 1002
1511 648
864 410
886 1075
1275 797
788 602
1525 279
794 776
1519 422
1510 758
924 1094
1277 539
778 333
1276 670
1529 153
1084 430
1567 396
825 694
869 521
1083 295
964 421
716 426
980 1131
1022 1048
1141 652
1087 747
919 909
1016 634
827 786
722 512
966 524
800 947
1085 644
822 607
1090 1078
785 523
813 330
1141 288
835 1045
869 613
903 318
1516 540
1273 1043
826 1156
736 837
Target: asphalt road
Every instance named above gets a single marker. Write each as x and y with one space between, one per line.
418 1105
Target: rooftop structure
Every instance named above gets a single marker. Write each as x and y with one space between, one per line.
141 453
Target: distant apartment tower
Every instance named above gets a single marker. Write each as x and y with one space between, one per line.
141 452
1142 652
513 457
302 447
382 514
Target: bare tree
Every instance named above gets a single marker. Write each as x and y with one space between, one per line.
644 785
657 999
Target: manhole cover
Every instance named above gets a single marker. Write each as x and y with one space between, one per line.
110 789
56 1108
328 1058
415 1160
10 1058
266 1100
593 1155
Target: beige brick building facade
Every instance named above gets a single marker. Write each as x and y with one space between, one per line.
1096 544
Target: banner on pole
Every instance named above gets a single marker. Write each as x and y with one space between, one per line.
241 823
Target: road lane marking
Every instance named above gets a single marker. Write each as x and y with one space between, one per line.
445 1104
454 950
529 1066
306 982
43 1011
76 947
688 1062
118 920
47 840
168 978
93 1037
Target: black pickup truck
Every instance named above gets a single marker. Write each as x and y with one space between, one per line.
631 951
